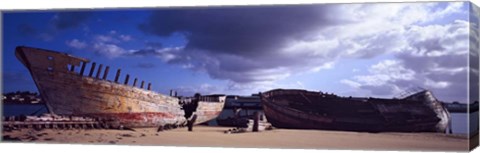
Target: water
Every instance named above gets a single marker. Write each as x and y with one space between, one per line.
23 109
460 123
459 120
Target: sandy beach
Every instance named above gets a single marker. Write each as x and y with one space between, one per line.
204 136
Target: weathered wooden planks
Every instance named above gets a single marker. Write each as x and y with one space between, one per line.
69 93
315 110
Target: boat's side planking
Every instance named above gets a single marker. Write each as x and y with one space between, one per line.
69 93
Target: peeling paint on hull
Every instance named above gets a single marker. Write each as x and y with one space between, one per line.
207 111
67 92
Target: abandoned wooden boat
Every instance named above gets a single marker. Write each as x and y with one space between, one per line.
68 91
205 108
301 109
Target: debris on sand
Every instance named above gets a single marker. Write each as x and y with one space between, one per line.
9 138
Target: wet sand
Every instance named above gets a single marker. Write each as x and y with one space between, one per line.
204 136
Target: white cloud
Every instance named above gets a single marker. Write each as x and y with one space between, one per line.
105 39
77 44
425 52
374 29
108 50
439 84
438 40
421 45
328 65
125 37
165 54
450 71
384 72
319 47
454 7
108 45
383 78
113 37
351 83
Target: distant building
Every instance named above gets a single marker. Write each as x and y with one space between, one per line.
239 107
22 98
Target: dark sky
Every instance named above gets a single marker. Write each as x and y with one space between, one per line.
349 49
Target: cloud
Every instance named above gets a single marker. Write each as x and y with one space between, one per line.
125 37
383 78
443 64
112 37
145 52
68 20
248 45
439 84
109 50
328 65
108 45
239 44
203 89
351 83
165 54
105 39
434 57
77 44
260 46
250 29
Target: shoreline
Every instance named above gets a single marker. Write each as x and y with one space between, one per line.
209 136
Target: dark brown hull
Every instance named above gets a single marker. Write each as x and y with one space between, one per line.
284 110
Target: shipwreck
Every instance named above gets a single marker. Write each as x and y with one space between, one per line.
70 91
302 109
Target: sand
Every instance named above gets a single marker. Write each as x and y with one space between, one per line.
204 136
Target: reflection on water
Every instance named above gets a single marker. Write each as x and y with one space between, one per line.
459 120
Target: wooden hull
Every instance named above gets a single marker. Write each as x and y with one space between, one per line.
67 92
207 111
299 109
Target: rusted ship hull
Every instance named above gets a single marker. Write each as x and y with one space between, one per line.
68 92
300 109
